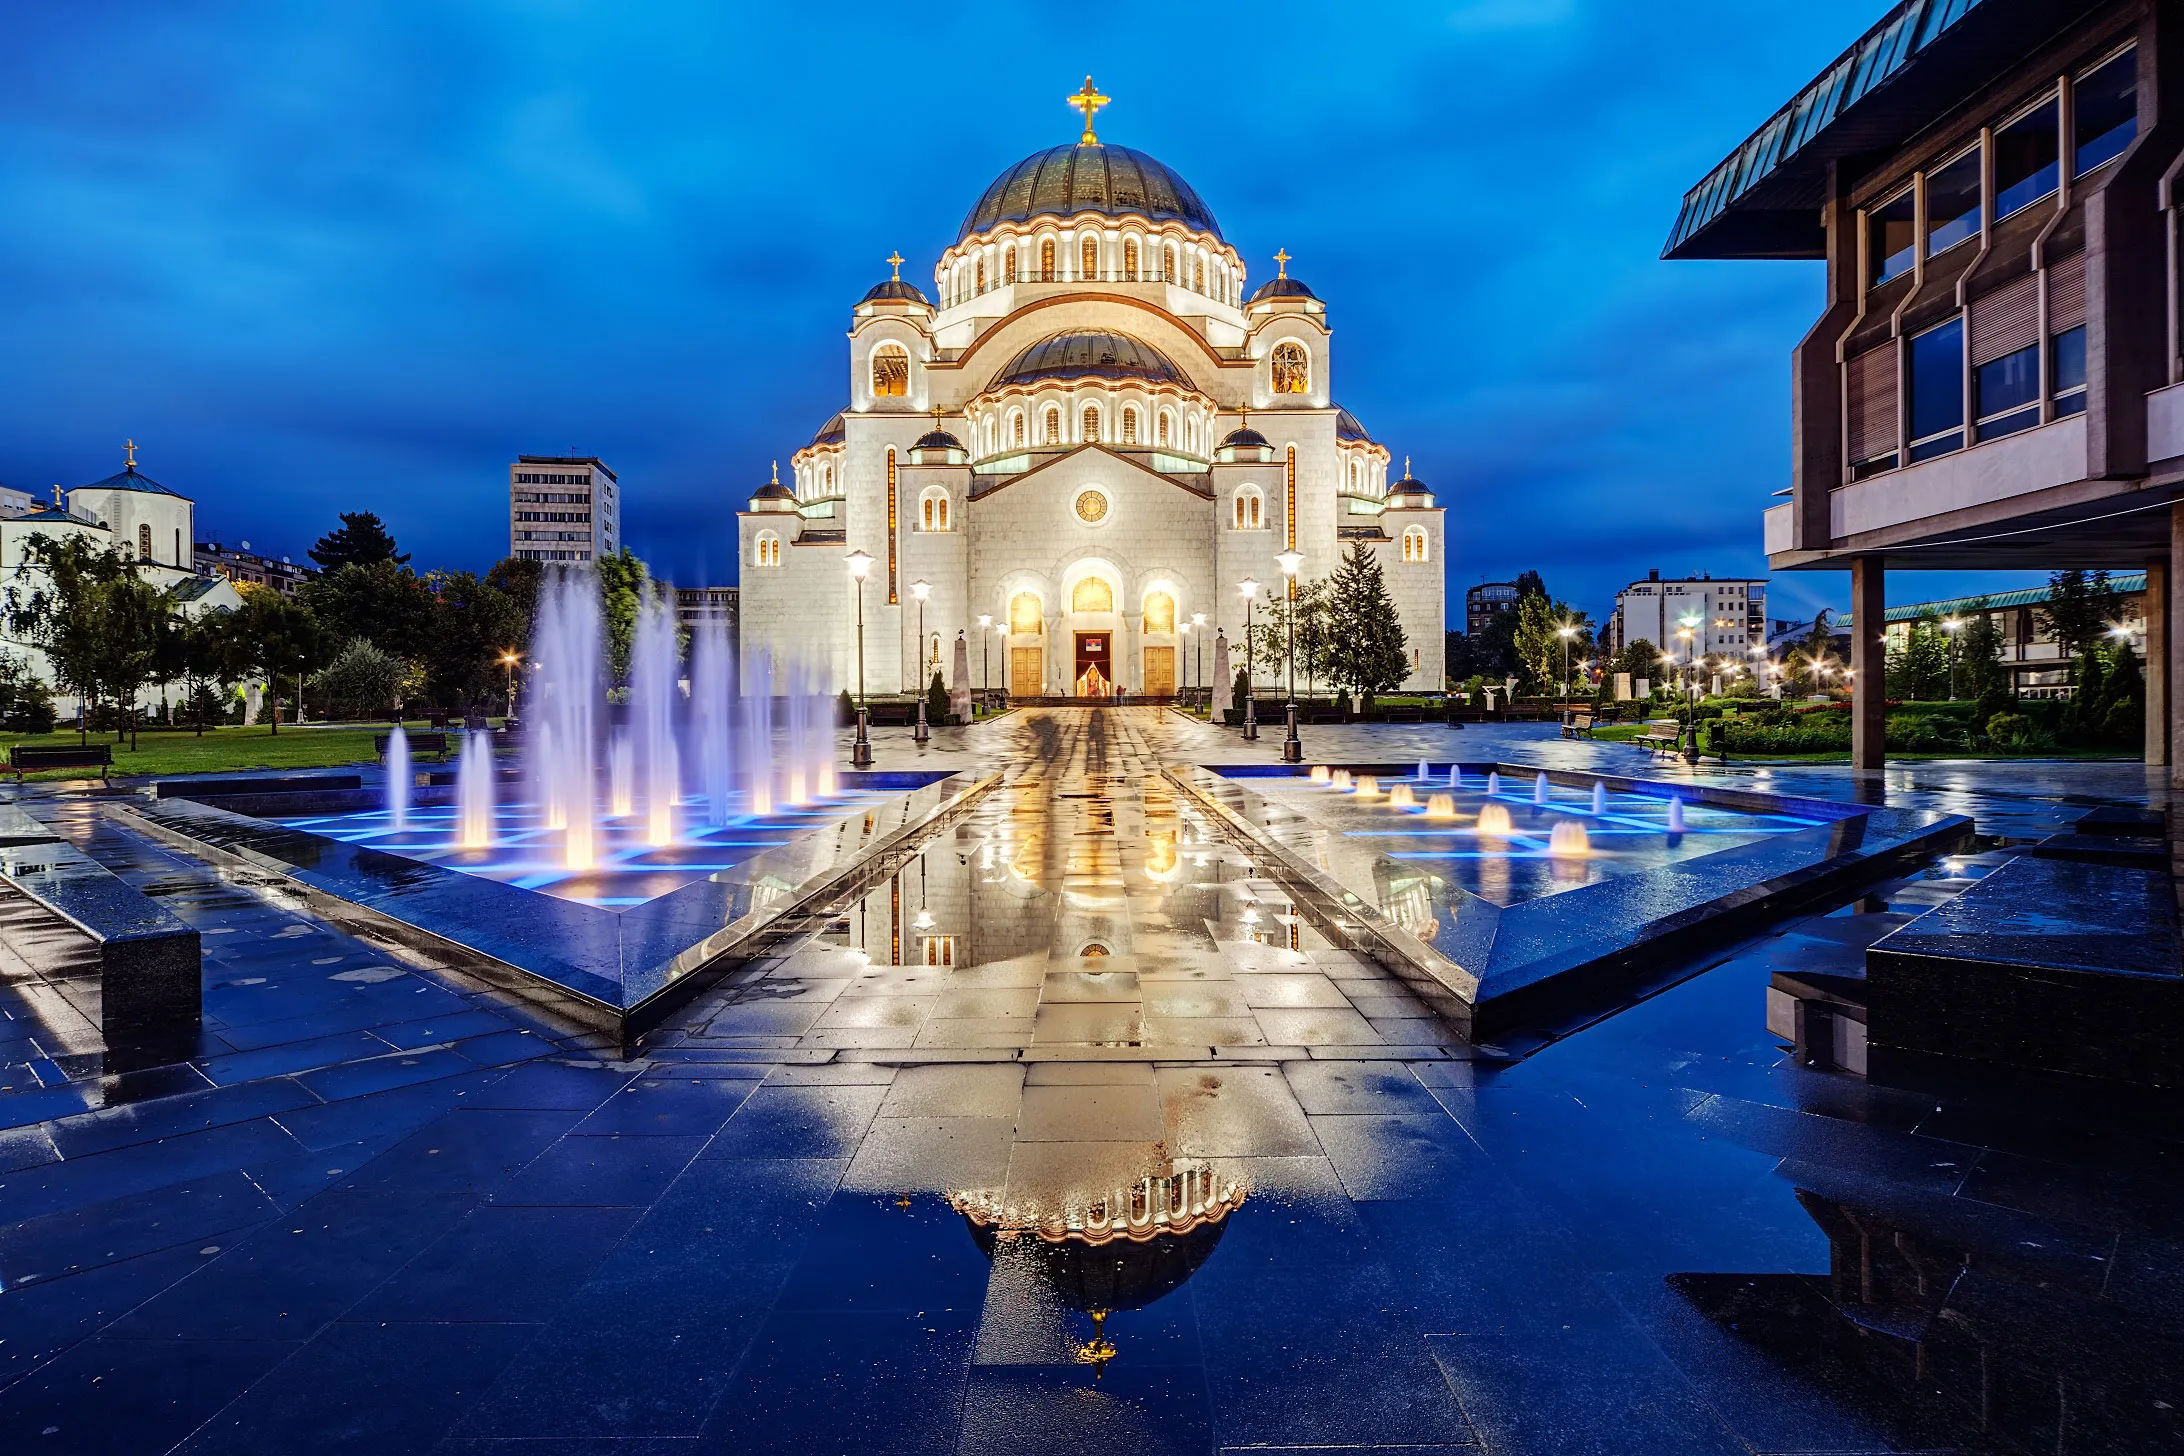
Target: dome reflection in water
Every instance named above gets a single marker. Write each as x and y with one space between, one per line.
1108 1252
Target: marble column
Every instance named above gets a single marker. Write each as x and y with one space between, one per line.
1868 662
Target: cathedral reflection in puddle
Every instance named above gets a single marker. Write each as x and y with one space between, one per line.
1101 1251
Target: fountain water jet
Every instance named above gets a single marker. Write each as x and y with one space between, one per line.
398 778
1493 783
1340 778
474 791
1319 773
758 736
713 692
652 693
566 651
621 776
1569 839
1401 797
799 709
1455 775
1366 785
1441 806
1675 816
1425 770
1599 797
1539 789
1494 821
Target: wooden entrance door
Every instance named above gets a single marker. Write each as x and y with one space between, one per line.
1160 672
1026 669
1094 650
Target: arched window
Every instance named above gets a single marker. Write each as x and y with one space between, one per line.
1190 436
769 549
1250 508
1093 594
933 510
1008 264
1159 612
1291 368
1414 543
1016 429
1046 260
826 480
1088 255
1129 426
890 371
1170 272
143 543
1091 422
1129 259
1053 430
1160 430
981 275
1025 617
1198 275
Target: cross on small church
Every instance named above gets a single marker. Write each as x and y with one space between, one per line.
1089 101
894 261
130 446
1282 258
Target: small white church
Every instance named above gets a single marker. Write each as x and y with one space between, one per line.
128 512
1079 449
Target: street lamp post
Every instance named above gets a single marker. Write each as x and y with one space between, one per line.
1250 589
1292 749
1566 631
985 678
921 590
1198 620
1952 625
860 748
509 661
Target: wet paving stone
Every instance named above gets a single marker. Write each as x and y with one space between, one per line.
895 1187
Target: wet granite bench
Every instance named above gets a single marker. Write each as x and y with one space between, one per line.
2048 965
124 961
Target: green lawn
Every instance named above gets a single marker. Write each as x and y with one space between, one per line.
224 750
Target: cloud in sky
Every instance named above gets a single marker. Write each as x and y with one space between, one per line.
317 258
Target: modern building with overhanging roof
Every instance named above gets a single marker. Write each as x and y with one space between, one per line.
1997 377
1081 442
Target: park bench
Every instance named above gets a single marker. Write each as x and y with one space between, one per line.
420 744
30 759
120 959
1577 723
1662 735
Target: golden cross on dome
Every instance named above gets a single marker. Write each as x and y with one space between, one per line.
777 472
1282 258
894 261
1089 101
130 446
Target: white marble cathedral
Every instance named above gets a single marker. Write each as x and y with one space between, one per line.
1091 439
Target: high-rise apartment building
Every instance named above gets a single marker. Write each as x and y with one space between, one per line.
564 508
1722 614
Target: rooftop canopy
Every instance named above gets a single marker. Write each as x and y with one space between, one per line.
1919 61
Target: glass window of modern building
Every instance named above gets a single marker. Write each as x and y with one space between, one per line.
2069 371
1952 203
1937 391
1893 236
2026 152
2007 393
2104 110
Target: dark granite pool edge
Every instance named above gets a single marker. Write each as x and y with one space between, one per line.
708 958
1455 992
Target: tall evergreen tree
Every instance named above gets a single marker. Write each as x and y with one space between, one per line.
2078 608
1369 650
361 540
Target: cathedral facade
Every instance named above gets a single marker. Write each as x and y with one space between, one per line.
1075 452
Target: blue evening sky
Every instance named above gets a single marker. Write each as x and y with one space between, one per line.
324 257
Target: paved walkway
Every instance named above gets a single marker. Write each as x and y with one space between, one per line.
386 1211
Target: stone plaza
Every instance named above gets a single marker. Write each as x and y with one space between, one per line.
890 1184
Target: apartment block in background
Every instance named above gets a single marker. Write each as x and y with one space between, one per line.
563 508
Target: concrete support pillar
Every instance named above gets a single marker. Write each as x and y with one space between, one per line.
2172 647
2157 660
1868 662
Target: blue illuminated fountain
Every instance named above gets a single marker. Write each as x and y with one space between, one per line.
689 783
